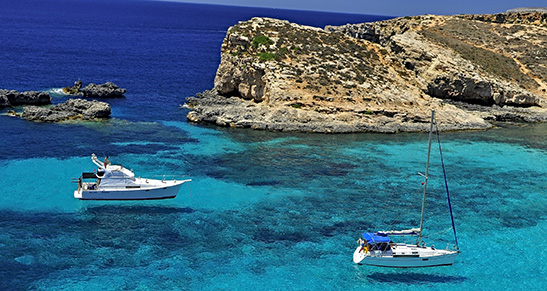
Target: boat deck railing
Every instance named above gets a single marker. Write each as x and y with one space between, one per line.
97 185
170 177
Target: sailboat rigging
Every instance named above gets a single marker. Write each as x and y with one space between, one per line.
377 249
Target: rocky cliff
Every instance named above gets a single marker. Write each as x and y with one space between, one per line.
384 76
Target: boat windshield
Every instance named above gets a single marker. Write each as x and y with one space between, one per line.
380 246
89 176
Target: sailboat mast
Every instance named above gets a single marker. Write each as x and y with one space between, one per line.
426 178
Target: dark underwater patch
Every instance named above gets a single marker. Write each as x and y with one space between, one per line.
408 278
267 235
345 227
136 210
41 242
25 139
263 183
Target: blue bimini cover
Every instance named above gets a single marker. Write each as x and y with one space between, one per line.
375 238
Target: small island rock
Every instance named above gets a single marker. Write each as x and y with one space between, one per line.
106 90
10 98
71 109
74 90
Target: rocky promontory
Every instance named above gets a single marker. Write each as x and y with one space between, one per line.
383 76
106 90
69 110
9 98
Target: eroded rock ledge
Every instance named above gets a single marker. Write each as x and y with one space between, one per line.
9 98
106 90
211 107
71 109
384 76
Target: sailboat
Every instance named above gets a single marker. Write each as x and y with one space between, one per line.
378 248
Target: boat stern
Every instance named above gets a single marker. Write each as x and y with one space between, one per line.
78 194
359 254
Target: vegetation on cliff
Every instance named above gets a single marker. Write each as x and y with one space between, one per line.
384 76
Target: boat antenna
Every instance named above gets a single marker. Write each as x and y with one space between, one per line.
446 185
426 177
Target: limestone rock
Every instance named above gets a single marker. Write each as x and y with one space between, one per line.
383 76
211 107
13 98
527 10
74 90
71 109
105 90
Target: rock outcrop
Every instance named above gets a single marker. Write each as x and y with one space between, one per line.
384 76
106 90
69 110
527 10
211 107
74 90
10 98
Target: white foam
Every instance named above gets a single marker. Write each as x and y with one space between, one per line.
57 91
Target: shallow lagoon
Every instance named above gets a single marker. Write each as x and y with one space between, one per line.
265 210
278 211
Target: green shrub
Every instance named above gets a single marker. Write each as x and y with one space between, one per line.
266 56
261 40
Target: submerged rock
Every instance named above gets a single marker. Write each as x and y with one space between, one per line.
26 260
71 109
10 98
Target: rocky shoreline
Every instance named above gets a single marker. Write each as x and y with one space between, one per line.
106 90
384 76
72 109
211 107
10 98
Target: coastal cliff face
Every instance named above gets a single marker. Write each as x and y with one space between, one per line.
384 76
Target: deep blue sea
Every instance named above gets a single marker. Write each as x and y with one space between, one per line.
265 210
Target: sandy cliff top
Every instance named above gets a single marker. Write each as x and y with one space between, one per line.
383 76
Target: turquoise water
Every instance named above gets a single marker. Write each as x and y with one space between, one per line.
265 210
280 211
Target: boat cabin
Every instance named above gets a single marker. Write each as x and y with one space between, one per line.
113 176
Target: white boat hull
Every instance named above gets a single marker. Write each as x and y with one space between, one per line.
381 251
154 189
427 257
359 255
